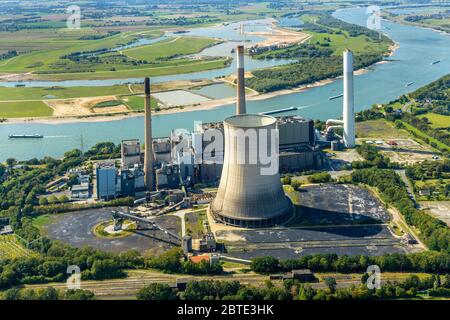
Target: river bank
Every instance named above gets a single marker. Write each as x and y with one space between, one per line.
206 105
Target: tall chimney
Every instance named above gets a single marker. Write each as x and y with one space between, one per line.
148 155
240 106
348 112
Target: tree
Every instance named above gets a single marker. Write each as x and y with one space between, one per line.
43 201
265 264
330 282
11 162
79 294
63 199
53 199
156 291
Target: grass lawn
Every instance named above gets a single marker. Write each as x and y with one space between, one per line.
24 109
41 221
19 93
340 42
437 120
182 66
379 128
136 103
169 48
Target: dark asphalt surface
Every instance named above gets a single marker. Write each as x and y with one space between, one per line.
75 229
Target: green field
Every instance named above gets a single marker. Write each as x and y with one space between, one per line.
169 48
22 93
41 221
10 248
161 58
136 102
438 121
339 42
160 69
24 109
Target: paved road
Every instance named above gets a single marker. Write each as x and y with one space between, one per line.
409 187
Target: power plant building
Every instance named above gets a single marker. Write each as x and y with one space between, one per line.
130 152
106 180
296 145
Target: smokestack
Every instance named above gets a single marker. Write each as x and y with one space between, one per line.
240 106
148 155
348 112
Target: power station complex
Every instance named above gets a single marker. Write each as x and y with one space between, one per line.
244 154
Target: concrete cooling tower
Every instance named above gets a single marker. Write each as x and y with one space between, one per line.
250 192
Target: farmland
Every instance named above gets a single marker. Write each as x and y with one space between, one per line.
169 48
437 121
22 109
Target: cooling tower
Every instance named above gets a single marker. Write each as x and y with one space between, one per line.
250 192
348 112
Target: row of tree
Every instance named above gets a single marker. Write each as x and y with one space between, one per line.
433 232
428 261
294 290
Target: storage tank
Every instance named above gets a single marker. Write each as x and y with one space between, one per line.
250 193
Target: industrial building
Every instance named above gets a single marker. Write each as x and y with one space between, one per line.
130 153
250 194
106 180
297 147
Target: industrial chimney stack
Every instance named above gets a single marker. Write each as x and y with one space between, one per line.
348 112
148 155
240 106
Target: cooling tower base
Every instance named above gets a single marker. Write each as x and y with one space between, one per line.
253 222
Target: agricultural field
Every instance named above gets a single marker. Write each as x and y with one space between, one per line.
136 102
172 47
437 121
21 93
10 248
24 109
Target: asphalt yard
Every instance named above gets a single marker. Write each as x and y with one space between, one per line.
76 229
330 218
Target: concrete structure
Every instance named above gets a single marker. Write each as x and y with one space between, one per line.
130 153
106 180
208 243
296 144
186 244
168 176
250 193
348 112
149 161
131 181
80 191
240 105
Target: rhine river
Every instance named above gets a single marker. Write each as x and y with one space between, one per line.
411 63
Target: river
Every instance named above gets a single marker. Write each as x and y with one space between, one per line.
419 47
